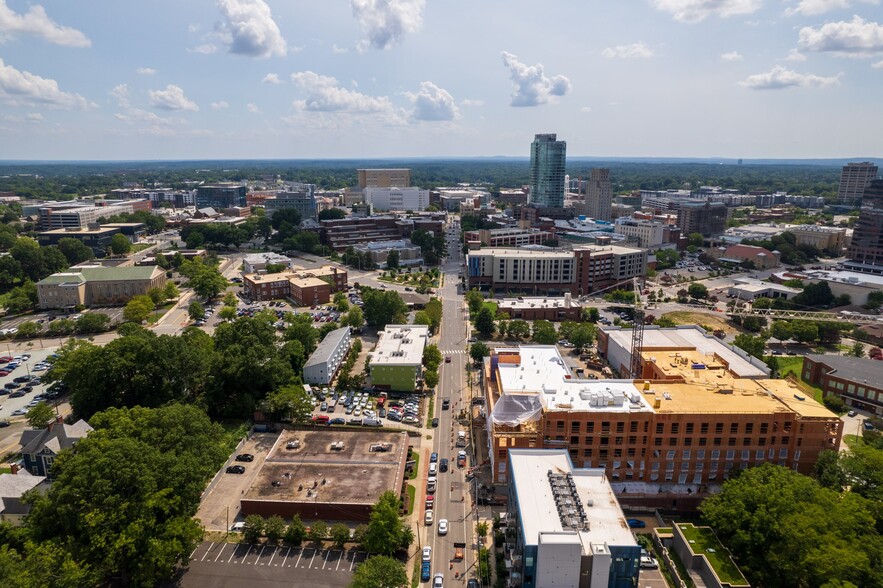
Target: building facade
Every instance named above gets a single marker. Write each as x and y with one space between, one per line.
98 286
256 263
865 252
397 359
599 195
856 380
854 178
384 178
75 215
648 233
324 362
342 233
408 253
221 196
706 218
547 160
40 447
387 199
508 237
303 287
301 197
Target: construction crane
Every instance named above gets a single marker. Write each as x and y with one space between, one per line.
637 332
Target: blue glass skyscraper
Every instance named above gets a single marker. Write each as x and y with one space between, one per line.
547 157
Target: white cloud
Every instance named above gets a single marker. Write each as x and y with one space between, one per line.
732 56
339 50
36 22
34 117
472 102
780 78
692 11
857 37
22 88
206 49
145 71
532 86
121 93
219 105
386 22
878 65
249 29
814 7
586 109
325 94
637 50
271 78
795 55
133 115
172 98
252 108
432 103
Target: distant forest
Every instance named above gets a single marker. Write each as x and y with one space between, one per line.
65 181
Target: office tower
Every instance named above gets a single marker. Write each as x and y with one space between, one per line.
865 252
854 178
547 156
384 178
221 196
599 195
709 219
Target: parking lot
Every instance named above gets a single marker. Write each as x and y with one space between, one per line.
235 565
9 406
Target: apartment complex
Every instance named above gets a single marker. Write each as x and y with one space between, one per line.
82 214
397 359
865 252
98 286
322 365
304 287
300 197
569 526
221 196
547 159
599 195
387 199
508 237
580 271
706 218
648 233
856 380
384 178
701 410
854 178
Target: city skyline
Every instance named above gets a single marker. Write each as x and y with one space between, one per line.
230 79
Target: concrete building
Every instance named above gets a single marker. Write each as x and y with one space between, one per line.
569 527
761 258
82 214
304 287
221 196
856 285
599 195
384 178
601 266
700 410
455 199
508 237
865 253
13 486
397 359
649 234
301 197
322 365
750 289
548 309
158 197
97 286
547 159
854 178
409 254
832 239
856 380
256 263
97 238
387 199
706 218
342 233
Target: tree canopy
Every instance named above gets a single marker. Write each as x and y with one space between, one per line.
383 307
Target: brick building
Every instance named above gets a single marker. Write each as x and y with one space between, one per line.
856 380
304 287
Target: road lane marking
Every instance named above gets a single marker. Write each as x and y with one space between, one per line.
223 547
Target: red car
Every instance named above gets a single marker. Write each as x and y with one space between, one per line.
4 372
5 359
447 359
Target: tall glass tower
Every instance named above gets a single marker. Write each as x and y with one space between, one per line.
547 156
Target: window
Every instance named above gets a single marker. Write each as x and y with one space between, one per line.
731 454
689 430
783 453
670 455
620 427
746 455
587 441
670 466
700 454
574 427
764 428
749 428
718 428
758 455
587 452
659 428
761 441
685 466
654 466
631 452
703 428
633 439
633 427
617 453
685 454
717 441
734 428
590 427
657 442
605 440
560 425
675 427
703 441
618 440
574 440
746 441
605 426
731 442
672 440
688 441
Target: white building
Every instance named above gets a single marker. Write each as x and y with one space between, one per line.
409 254
386 199
322 365
256 263
751 289
569 527
648 233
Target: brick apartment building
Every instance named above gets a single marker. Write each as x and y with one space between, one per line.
303 287
856 380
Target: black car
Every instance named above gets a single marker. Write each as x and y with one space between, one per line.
22 379
244 457
435 422
443 465
236 469
4 424
27 389
11 385
17 394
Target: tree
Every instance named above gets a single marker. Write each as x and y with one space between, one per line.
695 239
583 336
354 318
386 531
544 333
318 532
750 344
227 313
814 295
195 310
519 329
170 291
332 214
481 530
253 529
829 471
120 244
383 307
28 329
591 314
379 571
432 357
74 250
301 329
138 309
340 534
392 259
697 290
297 531
274 529
290 402
62 326
40 416
804 331
475 301
484 322
780 330
857 350
430 378
478 351
230 300
665 322
203 278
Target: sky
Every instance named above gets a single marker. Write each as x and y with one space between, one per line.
316 79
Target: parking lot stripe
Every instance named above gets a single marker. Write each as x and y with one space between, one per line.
353 561
269 563
245 557
194 551
223 547
299 555
311 559
287 553
232 553
207 551
326 559
337 567
260 554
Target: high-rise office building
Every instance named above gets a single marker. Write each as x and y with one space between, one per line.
854 178
599 195
865 252
384 178
547 157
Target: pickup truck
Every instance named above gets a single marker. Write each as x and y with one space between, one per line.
458 551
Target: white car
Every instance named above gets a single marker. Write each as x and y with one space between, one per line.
237 527
443 526
427 518
438 581
427 553
648 563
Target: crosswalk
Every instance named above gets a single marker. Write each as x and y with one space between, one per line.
454 352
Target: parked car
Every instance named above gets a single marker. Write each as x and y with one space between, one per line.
433 457
245 457
851 413
438 581
425 571
237 527
636 523
236 469
337 421
427 553
427 518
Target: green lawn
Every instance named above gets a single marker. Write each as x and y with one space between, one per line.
412 497
416 457
794 365
159 312
703 541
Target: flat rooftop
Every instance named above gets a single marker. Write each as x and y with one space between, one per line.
538 510
540 370
538 302
857 369
847 277
400 345
313 472
544 253
687 338
327 347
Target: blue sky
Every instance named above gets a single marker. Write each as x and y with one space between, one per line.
204 79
